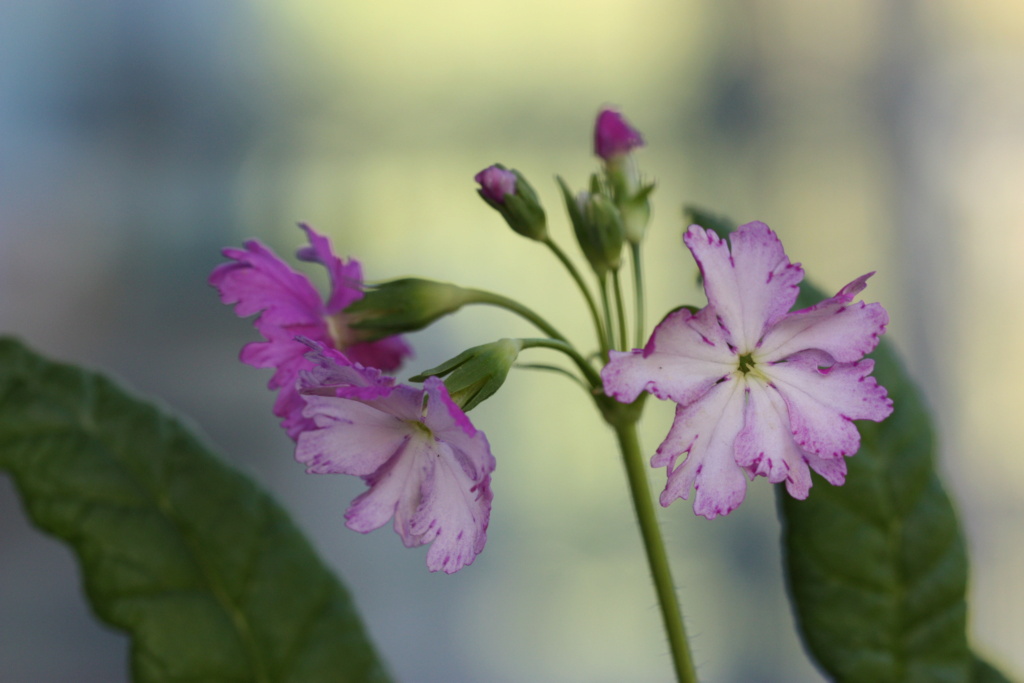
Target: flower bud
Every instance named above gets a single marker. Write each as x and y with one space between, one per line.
508 193
475 374
495 183
598 226
403 306
613 136
614 139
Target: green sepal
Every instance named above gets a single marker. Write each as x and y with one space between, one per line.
476 374
205 572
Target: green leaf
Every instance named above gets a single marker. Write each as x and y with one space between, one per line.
203 569
877 568
983 672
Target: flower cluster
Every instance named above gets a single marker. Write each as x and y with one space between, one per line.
257 281
761 391
425 463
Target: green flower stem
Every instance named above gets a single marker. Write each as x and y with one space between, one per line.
480 296
638 288
606 304
657 558
592 375
620 309
602 337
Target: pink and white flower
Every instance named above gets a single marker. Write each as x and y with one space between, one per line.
257 281
425 463
760 390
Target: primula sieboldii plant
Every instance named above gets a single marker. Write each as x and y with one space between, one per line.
771 378
761 390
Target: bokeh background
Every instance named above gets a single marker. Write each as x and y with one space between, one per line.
137 138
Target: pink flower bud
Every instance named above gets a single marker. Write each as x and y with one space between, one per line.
496 183
614 136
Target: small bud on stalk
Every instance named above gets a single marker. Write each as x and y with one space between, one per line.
508 193
475 374
407 305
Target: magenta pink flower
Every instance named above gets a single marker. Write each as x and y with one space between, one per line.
425 463
257 281
496 183
613 136
760 390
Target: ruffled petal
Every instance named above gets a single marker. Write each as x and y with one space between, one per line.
823 402
838 326
706 431
453 513
287 357
260 281
332 370
752 287
832 469
685 356
394 492
346 278
351 437
765 445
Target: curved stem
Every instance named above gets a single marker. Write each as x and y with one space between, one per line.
480 296
561 345
638 289
657 558
602 337
620 309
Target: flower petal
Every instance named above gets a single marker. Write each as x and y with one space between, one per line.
832 469
706 431
469 446
351 437
752 287
286 356
346 278
765 445
394 492
823 402
453 513
845 330
387 353
260 281
685 356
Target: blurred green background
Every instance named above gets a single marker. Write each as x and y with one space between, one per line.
138 138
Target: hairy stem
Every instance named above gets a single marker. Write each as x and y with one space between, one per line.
657 558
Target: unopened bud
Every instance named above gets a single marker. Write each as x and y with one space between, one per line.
475 374
508 193
403 306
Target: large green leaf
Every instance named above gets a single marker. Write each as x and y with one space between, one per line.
877 568
203 569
